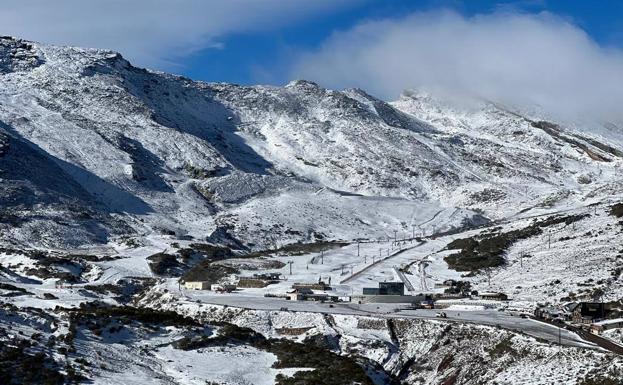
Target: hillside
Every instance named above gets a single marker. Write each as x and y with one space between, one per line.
165 154
117 183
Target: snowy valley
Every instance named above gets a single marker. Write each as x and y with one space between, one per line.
119 186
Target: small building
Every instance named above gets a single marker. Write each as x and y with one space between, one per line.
448 295
298 294
587 312
268 276
601 326
391 288
493 296
548 313
320 285
225 288
409 299
197 285
426 302
386 288
252 282
305 294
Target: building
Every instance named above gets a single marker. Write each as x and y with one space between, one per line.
391 288
601 326
223 288
298 294
587 312
306 294
197 285
493 296
268 276
548 313
409 299
259 280
320 285
386 288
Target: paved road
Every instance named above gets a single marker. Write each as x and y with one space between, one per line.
485 317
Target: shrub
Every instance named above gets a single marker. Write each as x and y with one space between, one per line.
487 250
617 210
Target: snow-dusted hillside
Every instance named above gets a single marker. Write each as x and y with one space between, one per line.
115 147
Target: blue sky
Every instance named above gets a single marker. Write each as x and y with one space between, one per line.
263 57
564 56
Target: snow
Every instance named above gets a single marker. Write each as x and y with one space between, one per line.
101 158
234 365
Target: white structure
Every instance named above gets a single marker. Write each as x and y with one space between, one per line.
600 327
197 285
223 288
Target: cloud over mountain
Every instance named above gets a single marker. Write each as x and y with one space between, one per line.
520 59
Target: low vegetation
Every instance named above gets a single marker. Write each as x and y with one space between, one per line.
502 348
175 265
298 249
617 210
207 271
329 368
165 265
487 250
19 364
97 313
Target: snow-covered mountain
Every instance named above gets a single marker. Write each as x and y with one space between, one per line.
116 181
93 148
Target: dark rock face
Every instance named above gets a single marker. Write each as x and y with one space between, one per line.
18 55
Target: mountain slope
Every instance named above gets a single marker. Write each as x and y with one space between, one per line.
229 163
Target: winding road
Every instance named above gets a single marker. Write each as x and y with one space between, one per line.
550 333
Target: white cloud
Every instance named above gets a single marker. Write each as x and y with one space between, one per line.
512 58
152 33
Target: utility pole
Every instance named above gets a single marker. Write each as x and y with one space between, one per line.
365 259
357 249
322 257
290 263
380 250
549 240
342 273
